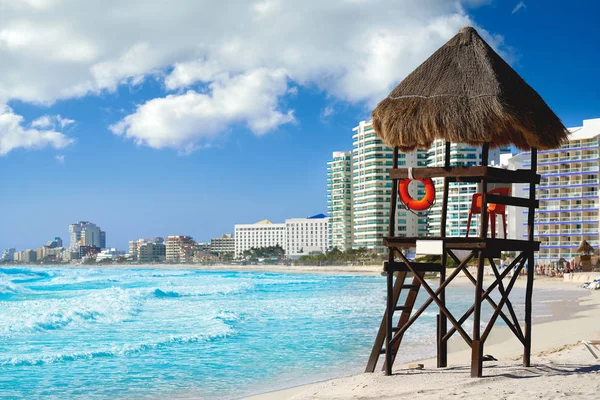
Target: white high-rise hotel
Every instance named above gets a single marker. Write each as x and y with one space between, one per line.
339 200
372 188
568 194
84 233
369 198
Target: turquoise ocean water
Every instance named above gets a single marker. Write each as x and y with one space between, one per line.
158 333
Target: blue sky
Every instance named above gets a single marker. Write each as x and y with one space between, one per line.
174 121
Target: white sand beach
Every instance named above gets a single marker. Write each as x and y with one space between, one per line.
561 365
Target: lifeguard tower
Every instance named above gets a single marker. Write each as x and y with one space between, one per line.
464 93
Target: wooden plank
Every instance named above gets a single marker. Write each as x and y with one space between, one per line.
440 172
410 241
399 241
497 245
501 175
421 267
512 201
469 174
493 245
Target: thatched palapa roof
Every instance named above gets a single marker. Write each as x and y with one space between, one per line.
466 93
585 248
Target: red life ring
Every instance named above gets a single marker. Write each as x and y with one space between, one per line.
417 205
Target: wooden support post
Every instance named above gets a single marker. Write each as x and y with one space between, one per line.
390 274
442 321
530 266
389 323
477 346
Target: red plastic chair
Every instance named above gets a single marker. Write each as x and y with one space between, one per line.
493 210
499 209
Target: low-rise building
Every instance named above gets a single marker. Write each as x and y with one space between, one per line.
223 245
88 251
179 249
29 256
150 252
109 254
261 234
135 245
306 236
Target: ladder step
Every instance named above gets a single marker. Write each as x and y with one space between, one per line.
410 286
402 308
395 329
382 351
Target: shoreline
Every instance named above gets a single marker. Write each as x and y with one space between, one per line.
549 343
374 270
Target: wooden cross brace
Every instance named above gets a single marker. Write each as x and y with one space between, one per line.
520 260
398 335
434 295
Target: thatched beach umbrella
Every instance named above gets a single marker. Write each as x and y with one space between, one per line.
466 93
585 248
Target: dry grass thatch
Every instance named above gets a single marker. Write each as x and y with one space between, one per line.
585 248
466 93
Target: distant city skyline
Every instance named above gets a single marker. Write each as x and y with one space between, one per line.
187 126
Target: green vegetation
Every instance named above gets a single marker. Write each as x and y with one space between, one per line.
336 257
266 254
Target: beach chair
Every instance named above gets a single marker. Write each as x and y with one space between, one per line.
493 210
592 346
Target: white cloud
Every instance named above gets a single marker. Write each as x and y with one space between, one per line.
327 111
186 73
51 121
42 122
518 7
185 121
352 50
60 159
14 135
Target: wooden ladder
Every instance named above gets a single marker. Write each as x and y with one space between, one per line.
406 309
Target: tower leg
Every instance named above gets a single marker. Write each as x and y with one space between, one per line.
388 324
442 321
477 345
528 298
